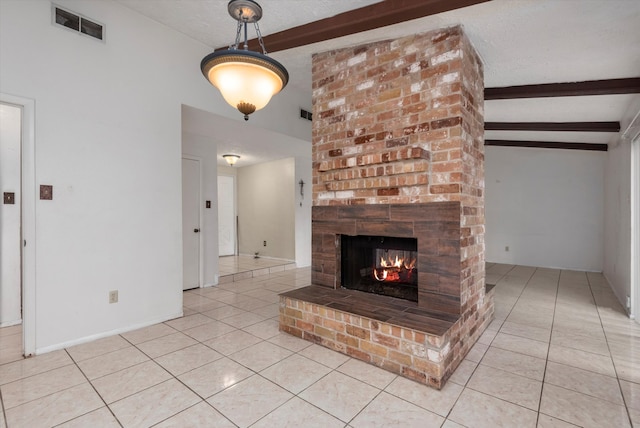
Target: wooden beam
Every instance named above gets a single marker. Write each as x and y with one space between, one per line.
366 18
569 89
553 126
547 145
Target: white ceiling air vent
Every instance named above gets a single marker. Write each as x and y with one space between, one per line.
76 22
305 114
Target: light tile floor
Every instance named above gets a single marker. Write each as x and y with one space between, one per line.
236 268
10 344
560 353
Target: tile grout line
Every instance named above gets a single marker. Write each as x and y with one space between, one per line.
231 359
546 361
75 363
332 370
526 284
293 353
259 373
202 399
624 400
297 395
4 411
94 389
464 387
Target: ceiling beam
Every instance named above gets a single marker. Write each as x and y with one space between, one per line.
553 126
547 145
366 18
569 89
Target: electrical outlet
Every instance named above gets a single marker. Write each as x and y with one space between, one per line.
113 296
264 243
506 248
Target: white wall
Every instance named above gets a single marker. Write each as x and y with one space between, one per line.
546 205
617 211
617 220
303 212
266 208
108 138
205 150
10 130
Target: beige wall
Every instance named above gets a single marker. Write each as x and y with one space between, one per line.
266 208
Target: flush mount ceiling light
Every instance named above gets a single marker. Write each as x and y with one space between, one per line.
246 79
231 159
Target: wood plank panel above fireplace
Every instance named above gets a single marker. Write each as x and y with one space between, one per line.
436 226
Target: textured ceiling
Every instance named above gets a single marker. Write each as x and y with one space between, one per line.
520 41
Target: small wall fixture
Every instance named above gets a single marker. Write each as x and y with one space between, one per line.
231 159
246 79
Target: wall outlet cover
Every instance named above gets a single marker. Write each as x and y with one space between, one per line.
46 192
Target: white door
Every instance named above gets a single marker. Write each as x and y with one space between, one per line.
226 216
10 215
190 223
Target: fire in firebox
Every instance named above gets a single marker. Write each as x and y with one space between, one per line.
394 266
380 265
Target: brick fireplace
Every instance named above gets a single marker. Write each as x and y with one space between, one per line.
398 158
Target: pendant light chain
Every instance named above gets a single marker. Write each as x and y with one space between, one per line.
237 43
259 34
238 35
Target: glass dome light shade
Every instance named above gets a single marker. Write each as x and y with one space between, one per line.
244 78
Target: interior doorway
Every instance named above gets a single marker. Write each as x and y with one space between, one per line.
191 242
19 257
10 215
226 216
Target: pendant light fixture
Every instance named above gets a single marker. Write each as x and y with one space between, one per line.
231 159
246 79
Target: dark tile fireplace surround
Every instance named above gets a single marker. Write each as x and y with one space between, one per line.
435 226
418 339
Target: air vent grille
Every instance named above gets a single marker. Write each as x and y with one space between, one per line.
305 114
78 23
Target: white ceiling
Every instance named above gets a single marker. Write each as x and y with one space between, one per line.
520 41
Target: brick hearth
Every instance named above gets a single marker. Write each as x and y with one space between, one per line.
398 152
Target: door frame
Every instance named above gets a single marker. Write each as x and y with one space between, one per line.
635 228
200 216
28 219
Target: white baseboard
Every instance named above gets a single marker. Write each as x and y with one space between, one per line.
93 337
10 323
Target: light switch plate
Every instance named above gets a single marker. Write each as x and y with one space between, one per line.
46 192
9 198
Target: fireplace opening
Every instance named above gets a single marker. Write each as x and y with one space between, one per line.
381 265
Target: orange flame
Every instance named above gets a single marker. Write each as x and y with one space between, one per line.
394 270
